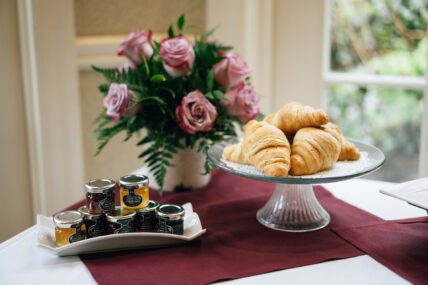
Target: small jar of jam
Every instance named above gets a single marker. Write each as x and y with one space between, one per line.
100 196
146 217
69 227
122 221
96 225
134 191
170 219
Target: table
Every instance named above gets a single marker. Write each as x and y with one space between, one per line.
21 260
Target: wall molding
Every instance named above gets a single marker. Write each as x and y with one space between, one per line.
32 106
51 95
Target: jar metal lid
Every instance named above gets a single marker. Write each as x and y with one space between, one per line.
134 180
67 219
150 208
86 213
170 211
120 214
99 185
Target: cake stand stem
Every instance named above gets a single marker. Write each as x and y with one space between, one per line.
293 208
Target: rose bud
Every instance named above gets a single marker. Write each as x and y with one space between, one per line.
230 70
177 55
137 46
117 101
196 113
242 102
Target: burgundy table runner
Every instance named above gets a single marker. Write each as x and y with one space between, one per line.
400 245
235 244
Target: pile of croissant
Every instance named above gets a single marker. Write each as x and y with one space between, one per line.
315 143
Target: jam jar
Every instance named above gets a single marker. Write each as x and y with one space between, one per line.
146 217
69 227
134 191
170 219
100 196
122 221
96 225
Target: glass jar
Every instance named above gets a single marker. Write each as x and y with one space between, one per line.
134 191
121 221
69 227
96 225
146 217
100 196
170 219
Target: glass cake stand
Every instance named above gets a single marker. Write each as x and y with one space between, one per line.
293 206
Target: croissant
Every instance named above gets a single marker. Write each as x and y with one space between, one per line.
294 116
234 153
264 146
348 151
315 149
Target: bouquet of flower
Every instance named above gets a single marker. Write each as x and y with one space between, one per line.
182 94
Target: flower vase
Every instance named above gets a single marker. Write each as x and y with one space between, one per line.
185 172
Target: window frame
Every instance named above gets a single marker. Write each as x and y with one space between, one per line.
392 81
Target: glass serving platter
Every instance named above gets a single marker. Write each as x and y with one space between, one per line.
293 206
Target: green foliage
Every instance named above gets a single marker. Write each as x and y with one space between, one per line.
159 96
380 37
363 30
180 22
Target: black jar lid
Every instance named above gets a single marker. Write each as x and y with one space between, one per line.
133 180
150 207
67 219
120 213
170 211
100 185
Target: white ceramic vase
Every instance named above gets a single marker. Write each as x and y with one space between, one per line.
185 171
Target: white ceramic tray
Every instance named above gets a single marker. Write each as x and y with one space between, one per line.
116 242
414 192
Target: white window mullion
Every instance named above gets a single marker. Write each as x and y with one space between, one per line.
363 80
326 51
423 148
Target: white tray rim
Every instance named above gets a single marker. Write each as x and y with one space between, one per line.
194 231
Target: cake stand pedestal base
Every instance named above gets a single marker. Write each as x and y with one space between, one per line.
293 208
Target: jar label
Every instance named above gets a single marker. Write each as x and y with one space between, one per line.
146 222
170 227
123 226
132 200
95 227
79 235
107 204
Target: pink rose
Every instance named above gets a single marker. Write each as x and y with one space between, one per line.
242 102
137 46
196 113
117 101
177 55
230 70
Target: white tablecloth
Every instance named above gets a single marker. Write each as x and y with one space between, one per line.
22 261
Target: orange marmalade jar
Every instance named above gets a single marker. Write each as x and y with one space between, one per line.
134 191
69 227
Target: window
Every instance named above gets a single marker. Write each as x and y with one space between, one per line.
375 60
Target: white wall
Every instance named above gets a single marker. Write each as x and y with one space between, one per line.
16 208
298 32
282 42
